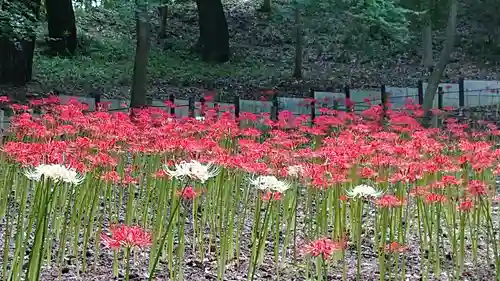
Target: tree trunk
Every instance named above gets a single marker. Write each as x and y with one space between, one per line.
163 10
214 33
430 91
427 59
16 61
266 6
138 94
16 56
62 26
297 72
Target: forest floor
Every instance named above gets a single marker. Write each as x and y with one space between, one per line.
262 48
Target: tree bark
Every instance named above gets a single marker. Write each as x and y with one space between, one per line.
430 91
427 58
297 72
16 55
163 10
266 6
214 33
16 61
62 26
138 94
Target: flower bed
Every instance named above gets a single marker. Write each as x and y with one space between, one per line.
352 197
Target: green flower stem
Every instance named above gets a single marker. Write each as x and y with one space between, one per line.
6 246
241 220
357 226
127 264
260 238
461 252
490 228
381 244
89 222
164 238
181 246
63 235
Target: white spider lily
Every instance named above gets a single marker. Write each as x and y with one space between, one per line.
55 172
266 183
193 170
363 191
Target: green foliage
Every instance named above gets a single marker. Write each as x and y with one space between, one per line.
16 20
105 57
381 19
340 37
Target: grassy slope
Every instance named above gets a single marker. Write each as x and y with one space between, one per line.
262 46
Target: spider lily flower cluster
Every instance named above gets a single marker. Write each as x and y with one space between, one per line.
193 170
270 183
55 172
364 191
382 192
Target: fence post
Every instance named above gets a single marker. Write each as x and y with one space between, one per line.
335 104
383 99
97 101
191 107
461 92
203 106
440 98
237 107
2 124
440 105
274 108
312 95
171 98
217 109
347 92
420 92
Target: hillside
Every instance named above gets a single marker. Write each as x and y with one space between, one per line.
262 54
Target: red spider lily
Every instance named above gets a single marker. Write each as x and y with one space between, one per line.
367 173
348 103
127 236
188 193
274 196
466 205
395 247
434 198
389 201
169 104
209 96
4 99
477 188
323 247
160 174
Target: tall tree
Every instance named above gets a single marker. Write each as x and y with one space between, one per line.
426 23
62 26
297 71
266 6
448 44
138 93
17 42
214 33
163 11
